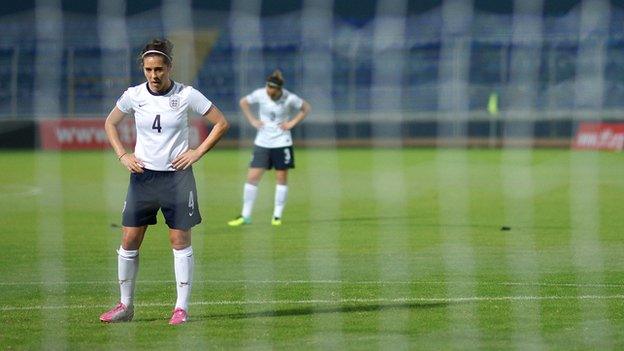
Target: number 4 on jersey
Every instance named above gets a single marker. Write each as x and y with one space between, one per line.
156 124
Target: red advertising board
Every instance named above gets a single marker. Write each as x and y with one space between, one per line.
599 136
89 133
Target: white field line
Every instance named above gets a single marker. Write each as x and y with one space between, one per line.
343 282
334 302
12 191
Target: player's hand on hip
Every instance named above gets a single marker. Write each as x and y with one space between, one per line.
185 160
132 163
286 125
257 123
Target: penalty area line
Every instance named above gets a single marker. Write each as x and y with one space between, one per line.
449 300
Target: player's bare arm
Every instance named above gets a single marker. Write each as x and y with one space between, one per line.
221 125
303 112
129 161
253 120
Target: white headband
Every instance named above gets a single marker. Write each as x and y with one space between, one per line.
156 52
271 84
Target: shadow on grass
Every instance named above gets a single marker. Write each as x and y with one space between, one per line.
311 310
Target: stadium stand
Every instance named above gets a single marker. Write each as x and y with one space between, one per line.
485 60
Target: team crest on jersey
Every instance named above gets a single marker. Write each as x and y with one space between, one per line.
174 102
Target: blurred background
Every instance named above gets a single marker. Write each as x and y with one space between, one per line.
408 72
504 246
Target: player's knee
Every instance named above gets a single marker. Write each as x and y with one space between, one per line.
130 242
281 178
253 180
180 240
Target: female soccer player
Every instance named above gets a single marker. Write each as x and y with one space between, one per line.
161 173
273 143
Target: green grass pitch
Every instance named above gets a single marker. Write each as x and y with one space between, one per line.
380 249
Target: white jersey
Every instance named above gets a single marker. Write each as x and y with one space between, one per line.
162 121
273 114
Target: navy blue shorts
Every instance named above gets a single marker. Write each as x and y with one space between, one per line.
279 158
173 192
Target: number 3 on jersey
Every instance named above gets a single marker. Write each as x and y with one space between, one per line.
156 124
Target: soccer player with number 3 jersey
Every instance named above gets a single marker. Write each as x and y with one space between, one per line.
161 176
273 144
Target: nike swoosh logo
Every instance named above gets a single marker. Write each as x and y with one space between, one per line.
141 105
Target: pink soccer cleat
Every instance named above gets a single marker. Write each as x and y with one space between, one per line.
119 313
179 316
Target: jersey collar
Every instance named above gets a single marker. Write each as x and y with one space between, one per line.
281 98
160 94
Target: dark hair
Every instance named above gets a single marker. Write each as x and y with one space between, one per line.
276 78
161 45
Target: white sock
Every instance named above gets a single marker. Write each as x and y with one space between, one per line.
183 266
281 192
127 268
249 196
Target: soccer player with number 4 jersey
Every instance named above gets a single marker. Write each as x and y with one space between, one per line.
273 144
161 176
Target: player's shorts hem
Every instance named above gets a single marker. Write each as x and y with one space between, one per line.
177 227
283 168
138 224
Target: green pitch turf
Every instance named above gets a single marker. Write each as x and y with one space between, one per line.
380 249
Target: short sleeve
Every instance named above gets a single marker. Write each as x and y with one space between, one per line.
254 97
295 102
124 103
198 103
